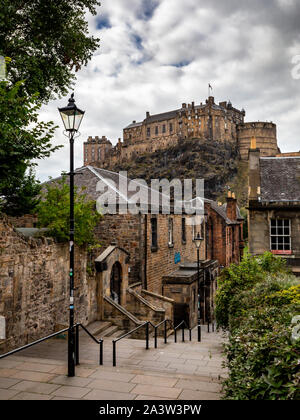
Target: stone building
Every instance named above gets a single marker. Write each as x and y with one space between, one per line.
220 122
274 206
146 268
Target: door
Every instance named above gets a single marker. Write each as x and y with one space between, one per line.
115 282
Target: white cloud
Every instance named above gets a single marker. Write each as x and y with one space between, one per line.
153 59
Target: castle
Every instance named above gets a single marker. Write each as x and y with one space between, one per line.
207 120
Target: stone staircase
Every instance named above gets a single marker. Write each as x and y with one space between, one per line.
103 329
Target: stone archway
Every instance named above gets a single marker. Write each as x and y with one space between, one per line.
112 275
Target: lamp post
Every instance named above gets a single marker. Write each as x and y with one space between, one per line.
198 241
71 117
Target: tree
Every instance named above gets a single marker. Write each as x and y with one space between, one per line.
22 139
53 213
47 41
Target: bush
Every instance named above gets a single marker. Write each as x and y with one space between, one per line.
262 357
54 211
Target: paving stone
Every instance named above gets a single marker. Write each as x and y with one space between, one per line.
64 398
148 397
6 394
37 387
75 381
8 382
36 367
113 376
32 376
156 391
158 380
188 394
100 394
7 363
71 391
7 373
31 396
198 385
112 385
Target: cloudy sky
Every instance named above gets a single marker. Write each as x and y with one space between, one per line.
156 54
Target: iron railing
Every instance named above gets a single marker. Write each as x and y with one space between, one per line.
100 342
145 324
33 343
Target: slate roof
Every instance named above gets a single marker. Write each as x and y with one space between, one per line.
280 179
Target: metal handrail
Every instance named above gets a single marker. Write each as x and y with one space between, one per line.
145 324
33 343
100 342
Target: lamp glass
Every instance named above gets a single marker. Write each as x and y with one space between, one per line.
198 240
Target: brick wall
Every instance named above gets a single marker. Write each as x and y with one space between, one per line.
161 262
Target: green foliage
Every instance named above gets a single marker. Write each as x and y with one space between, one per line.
53 213
236 278
22 138
46 41
262 358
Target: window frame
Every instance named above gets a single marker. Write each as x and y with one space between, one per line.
283 235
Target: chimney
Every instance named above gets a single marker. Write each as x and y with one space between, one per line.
193 105
231 211
183 105
211 100
254 171
134 121
147 114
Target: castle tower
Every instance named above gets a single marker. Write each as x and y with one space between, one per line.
265 134
96 149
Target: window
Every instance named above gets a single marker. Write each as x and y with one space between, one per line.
156 130
183 230
164 128
171 127
170 232
280 235
148 131
154 233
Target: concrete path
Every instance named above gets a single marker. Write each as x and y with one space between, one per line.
182 371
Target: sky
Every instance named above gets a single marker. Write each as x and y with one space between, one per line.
156 54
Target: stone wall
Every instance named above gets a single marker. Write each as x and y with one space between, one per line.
34 287
265 135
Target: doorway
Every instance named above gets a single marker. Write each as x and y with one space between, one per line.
115 282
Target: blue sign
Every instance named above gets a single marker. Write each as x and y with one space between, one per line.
177 258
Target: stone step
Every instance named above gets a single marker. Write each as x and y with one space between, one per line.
118 333
109 331
98 327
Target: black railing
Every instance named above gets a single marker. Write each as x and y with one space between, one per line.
33 343
145 324
100 342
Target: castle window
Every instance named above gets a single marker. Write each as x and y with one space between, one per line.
164 128
148 131
280 235
171 127
154 234
156 130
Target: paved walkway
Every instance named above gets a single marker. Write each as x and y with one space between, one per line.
182 371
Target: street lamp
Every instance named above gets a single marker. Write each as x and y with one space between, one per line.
198 239
71 117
